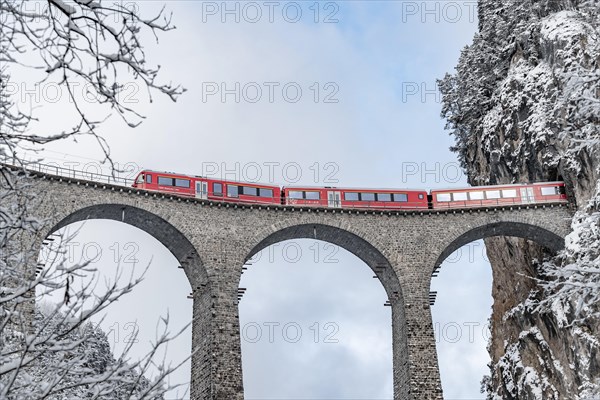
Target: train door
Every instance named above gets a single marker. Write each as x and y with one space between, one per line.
202 189
527 195
334 199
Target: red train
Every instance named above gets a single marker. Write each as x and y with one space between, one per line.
378 199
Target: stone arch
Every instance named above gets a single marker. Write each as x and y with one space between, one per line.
546 226
377 261
542 236
160 229
343 238
163 231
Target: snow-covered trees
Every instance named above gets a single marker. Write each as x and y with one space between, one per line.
56 354
72 360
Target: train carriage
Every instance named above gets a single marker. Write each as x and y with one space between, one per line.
381 199
485 196
207 188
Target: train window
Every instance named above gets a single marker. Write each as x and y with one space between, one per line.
421 196
232 191
351 196
295 194
402 197
492 194
509 193
165 181
367 196
249 191
384 197
313 195
185 183
476 195
148 178
218 189
462 196
265 192
444 197
140 179
549 191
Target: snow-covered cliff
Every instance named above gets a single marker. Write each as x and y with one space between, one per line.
524 106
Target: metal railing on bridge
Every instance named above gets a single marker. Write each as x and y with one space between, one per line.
57 170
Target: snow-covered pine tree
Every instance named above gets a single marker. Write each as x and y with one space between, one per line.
84 349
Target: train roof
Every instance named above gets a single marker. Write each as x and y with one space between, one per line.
498 186
354 188
213 178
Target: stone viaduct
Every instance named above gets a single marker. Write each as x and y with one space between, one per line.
212 241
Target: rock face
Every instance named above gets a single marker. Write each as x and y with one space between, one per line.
524 106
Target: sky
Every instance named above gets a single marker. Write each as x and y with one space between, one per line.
318 93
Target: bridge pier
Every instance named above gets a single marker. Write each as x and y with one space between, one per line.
401 367
217 357
424 376
416 370
17 277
